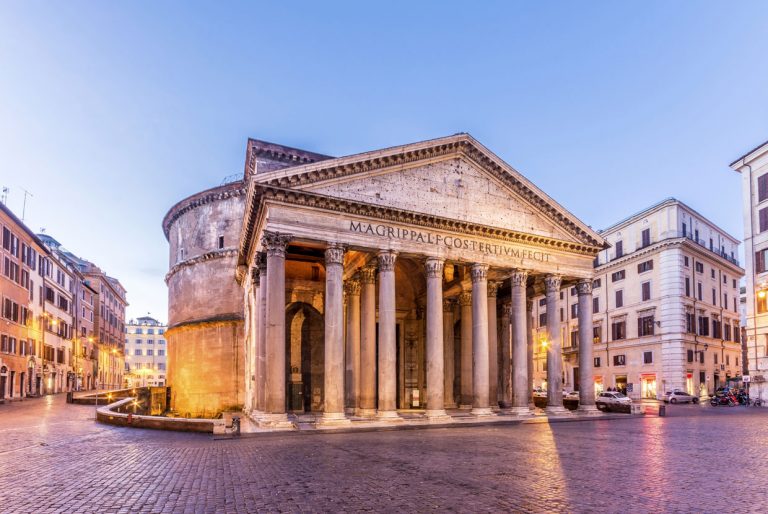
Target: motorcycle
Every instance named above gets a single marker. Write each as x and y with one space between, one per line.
743 398
724 399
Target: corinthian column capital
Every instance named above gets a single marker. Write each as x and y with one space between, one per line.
352 287
519 278
553 283
368 274
448 304
276 243
465 298
584 287
387 260
493 289
261 262
334 254
255 275
434 267
479 272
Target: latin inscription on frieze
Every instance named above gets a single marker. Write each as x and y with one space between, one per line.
454 242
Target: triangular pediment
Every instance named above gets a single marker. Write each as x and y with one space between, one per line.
451 178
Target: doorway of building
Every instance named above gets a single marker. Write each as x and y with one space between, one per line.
305 358
3 381
576 378
648 386
621 383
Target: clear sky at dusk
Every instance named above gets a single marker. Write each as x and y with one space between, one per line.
110 112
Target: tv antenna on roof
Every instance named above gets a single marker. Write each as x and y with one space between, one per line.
4 196
24 206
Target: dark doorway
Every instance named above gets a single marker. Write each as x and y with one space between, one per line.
305 358
576 378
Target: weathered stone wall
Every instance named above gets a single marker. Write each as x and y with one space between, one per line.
205 304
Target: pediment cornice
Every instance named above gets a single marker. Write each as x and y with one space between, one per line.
457 146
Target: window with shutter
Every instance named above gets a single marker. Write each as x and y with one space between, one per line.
646 289
760 261
646 236
763 216
762 187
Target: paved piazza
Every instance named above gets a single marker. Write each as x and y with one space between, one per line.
54 458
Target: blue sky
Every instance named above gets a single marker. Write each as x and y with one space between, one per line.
110 112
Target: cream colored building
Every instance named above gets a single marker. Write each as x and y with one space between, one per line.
665 307
145 353
753 167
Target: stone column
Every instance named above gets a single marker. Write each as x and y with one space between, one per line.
255 301
506 356
519 320
586 359
333 410
480 359
387 334
274 409
493 347
367 404
465 303
352 353
435 358
529 337
554 347
448 354
261 346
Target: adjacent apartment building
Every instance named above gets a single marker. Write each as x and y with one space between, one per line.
99 314
145 352
753 167
665 307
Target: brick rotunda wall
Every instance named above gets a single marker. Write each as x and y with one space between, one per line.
205 303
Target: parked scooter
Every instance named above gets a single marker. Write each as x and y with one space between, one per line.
743 398
725 398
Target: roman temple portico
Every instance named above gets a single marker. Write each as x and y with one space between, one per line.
402 279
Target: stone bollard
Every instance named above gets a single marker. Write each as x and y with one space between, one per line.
236 425
662 410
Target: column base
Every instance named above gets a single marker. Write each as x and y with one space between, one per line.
388 415
275 421
482 412
589 410
333 419
437 416
465 406
451 405
518 411
365 413
255 415
557 410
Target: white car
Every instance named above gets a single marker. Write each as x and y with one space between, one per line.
539 393
573 395
613 400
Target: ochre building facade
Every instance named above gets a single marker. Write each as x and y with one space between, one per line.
395 279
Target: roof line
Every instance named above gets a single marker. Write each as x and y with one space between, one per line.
764 143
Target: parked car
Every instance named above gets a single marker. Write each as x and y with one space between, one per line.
613 400
573 395
679 397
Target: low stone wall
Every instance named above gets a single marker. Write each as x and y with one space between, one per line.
109 415
102 397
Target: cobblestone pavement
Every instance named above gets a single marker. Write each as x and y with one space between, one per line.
55 458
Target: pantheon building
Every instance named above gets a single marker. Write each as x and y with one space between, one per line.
362 287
